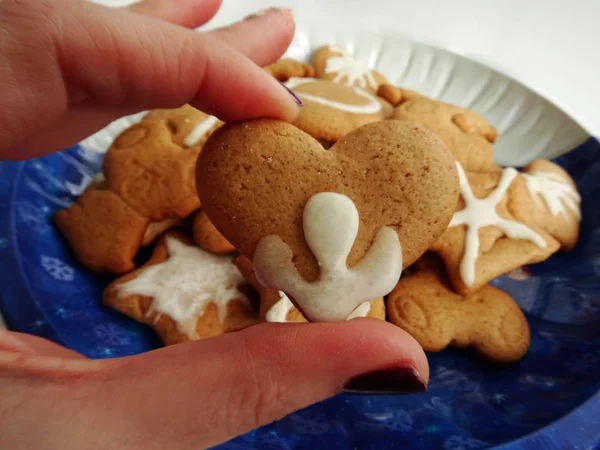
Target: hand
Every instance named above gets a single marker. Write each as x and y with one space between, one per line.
67 68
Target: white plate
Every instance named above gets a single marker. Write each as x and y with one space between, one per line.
529 126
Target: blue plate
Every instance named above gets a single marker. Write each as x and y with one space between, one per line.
550 400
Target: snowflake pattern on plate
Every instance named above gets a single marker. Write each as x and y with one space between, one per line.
57 269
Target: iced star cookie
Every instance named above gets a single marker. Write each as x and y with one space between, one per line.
333 110
484 240
489 321
467 135
544 195
276 306
286 68
189 127
333 63
183 292
301 206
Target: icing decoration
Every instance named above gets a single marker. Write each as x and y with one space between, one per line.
361 311
279 311
555 191
372 107
330 223
200 130
481 212
347 67
184 284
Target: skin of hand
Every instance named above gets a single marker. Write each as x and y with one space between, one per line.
67 68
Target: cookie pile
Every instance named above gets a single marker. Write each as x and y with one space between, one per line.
268 221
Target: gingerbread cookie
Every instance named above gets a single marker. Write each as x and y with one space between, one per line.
333 110
183 292
207 237
151 173
395 95
303 204
333 63
546 196
424 305
467 135
103 231
286 68
276 306
484 240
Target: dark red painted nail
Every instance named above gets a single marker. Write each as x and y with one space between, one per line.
294 96
395 380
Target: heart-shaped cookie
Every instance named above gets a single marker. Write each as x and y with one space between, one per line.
255 178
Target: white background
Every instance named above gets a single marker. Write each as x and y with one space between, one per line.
550 45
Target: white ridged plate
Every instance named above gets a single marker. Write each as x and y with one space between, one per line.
529 126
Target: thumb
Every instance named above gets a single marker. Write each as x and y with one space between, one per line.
199 394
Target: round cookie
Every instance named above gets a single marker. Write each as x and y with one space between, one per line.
333 110
207 237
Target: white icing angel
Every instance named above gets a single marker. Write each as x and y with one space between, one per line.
330 223
555 190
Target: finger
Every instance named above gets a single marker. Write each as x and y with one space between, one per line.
32 345
186 13
125 61
237 34
202 393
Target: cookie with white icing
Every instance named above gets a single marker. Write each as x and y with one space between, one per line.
276 306
189 127
332 110
468 135
484 240
331 228
544 195
184 292
332 63
489 321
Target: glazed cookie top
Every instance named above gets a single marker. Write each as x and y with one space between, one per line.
385 175
333 63
333 110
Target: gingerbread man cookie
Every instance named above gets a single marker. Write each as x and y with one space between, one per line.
484 240
333 63
546 196
467 135
333 110
301 206
286 68
424 305
183 292
103 231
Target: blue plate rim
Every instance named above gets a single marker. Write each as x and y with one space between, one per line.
583 417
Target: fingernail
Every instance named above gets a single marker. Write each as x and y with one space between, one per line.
395 380
263 12
294 96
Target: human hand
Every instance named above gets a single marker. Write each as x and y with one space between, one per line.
67 69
